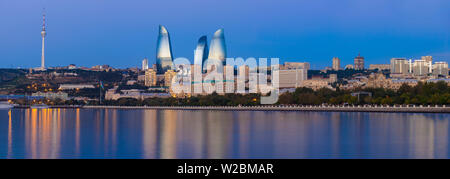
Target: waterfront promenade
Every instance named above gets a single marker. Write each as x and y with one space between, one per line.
330 108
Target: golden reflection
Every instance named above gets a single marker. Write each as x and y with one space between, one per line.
77 131
9 134
43 133
168 135
149 133
56 131
114 134
32 136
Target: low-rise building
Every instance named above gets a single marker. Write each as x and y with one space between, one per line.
112 94
378 80
131 82
379 67
316 84
52 95
74 86
333 78
295 65
397 83
349 66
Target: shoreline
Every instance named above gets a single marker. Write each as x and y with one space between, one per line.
386 109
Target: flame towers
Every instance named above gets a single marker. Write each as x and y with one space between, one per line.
201 52
164 56
218 49
163 51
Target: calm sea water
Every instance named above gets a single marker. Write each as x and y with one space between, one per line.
108 133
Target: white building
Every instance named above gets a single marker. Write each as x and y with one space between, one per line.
292 78
144 64
440 68
421 67
399 66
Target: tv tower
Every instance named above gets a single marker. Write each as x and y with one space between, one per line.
43 34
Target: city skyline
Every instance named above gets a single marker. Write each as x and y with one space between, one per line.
62 49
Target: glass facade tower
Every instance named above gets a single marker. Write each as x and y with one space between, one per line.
164 56
201 52
218 49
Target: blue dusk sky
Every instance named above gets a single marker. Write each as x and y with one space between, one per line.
122 32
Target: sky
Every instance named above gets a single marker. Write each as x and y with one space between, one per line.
123 32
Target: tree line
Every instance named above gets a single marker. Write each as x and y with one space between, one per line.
421 94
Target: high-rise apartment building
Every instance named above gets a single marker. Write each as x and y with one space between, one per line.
399 66
359 62
144 64
440 68
168 76
150 77
292 78
420 68
336 63
429 60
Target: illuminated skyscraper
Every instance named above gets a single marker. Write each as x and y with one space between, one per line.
163 51
218 49
201 52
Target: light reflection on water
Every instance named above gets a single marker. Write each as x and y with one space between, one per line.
110 133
